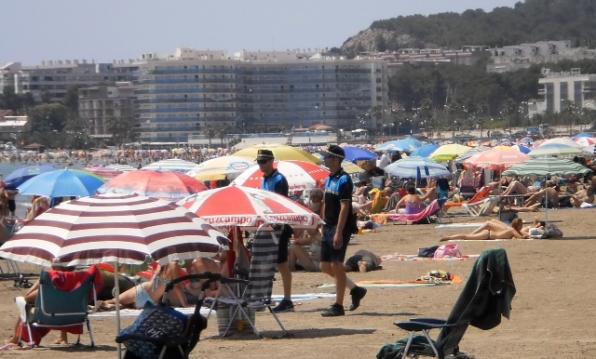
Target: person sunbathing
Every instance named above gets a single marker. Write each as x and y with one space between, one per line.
549 193
491 230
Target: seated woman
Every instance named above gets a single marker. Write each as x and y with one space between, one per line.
411 202
305 252
492 230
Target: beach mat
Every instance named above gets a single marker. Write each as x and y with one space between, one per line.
396 283
414 258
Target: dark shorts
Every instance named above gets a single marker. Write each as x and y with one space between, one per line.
12 205
282 250
328 252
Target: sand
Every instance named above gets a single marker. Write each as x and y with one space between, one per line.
552 316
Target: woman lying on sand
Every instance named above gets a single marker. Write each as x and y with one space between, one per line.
492 230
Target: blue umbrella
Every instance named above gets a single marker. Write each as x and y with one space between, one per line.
19 176
582 135
62 183
354 154
406 144
425 150
416 167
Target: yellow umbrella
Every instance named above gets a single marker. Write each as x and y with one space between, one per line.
281 153
351 168
449 152
504 148
220 168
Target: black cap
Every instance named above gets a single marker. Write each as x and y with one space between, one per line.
264 154
334 150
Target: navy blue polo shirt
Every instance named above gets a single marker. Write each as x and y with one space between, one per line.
275 182
338 188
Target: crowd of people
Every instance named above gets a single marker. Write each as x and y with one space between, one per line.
346 204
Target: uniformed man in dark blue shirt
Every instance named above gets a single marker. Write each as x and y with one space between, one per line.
340 224
276 182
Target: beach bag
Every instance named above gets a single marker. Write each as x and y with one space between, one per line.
448 251
427 252
552 232
157 322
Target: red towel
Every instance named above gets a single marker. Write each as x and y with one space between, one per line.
69 281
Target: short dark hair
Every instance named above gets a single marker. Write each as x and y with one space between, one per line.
411 189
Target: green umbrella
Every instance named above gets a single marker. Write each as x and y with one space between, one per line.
546 166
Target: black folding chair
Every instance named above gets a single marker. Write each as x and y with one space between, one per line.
486 296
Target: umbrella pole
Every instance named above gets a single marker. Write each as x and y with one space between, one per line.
117 302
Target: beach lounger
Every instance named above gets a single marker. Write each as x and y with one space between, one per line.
60 309
257 294
482 194
485 298
424 215
482 208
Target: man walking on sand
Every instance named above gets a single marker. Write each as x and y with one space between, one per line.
276 182
339 226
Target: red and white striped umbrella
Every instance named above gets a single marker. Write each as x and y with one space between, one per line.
248 207
125 229
300 175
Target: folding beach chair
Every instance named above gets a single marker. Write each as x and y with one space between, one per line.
482 208
482 194
58 309
162 332
256 295
485 298
10 270
432 209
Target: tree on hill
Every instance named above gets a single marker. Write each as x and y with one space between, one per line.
529 21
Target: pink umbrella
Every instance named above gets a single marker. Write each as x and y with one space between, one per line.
496 159
248 207
300 175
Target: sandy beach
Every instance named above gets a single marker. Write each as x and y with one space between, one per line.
552 315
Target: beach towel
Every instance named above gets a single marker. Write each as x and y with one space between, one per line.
262 264
414 258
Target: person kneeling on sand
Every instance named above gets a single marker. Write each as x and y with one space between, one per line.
492 230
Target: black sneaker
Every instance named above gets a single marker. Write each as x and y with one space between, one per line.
285 305
335 310
357 294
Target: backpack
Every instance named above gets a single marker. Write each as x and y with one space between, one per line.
447 251
552 232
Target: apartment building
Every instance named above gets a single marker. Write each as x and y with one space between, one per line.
101 106
522 56
560 88
192 91
51 80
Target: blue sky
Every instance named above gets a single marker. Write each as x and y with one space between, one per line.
34 30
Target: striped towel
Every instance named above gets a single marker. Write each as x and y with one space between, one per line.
262 265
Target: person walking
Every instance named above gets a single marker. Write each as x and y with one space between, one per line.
274 181
340 224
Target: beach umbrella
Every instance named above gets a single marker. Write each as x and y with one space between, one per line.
470 153
19 176
417 168
406 144
121 229
567 141
521 148
248 207
220 168
281 153
558 150
354 154
62 183
583 135
547 166
496 159
170 186
448 152
299 174
349 167
586 142
171 165
425 150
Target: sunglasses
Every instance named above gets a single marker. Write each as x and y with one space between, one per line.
262 162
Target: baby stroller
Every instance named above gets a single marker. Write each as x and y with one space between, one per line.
162 332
